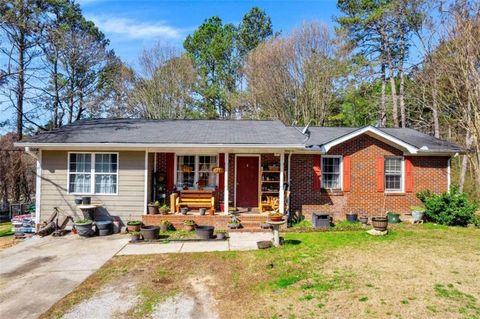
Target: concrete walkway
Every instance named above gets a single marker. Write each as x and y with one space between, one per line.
237 241
38 272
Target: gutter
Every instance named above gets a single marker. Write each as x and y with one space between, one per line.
29 152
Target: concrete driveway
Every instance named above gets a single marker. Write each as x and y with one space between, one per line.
38 272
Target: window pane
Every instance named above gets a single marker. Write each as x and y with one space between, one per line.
331 172
392 182
185 171
105 163
80 163
206 178
106 183
80 183
393 174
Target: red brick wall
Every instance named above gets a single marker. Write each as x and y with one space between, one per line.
363 198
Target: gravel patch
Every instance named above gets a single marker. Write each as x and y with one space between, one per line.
109 302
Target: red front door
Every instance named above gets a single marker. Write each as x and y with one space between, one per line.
247 181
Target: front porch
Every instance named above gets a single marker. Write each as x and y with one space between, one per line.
255 182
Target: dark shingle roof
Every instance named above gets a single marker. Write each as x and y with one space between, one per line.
142 131
170 132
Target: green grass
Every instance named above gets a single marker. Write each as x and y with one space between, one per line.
6 229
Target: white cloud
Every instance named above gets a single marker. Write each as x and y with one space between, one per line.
134 29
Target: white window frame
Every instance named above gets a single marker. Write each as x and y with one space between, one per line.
402 176
93 173
195 170
322 174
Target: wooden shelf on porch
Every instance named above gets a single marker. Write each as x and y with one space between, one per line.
269 195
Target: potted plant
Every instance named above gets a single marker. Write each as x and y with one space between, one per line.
189 225
150 232
165 225
380 223
221 234
218 170
393 218
352 217
153 207
134 236
133 225
164 209
234 222
417 213
275 216
363 219
84 227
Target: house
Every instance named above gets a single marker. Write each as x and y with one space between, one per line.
125 163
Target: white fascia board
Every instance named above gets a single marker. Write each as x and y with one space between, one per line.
152 146
371 131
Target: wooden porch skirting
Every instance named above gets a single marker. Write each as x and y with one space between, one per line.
249 222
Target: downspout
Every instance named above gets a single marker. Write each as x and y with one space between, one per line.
289 183
38 181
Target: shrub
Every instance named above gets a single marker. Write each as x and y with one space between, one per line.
452 208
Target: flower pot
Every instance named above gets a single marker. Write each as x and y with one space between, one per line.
135 237
153 210
86 200
132 228
150 232
222 205
84 229
417 216
104 224
380 223
211 212
164 211
184 210
364 220
78 201
221 235
264 244
163 228
202 211
352 218
233 226
188 227
393 218
275 218
204 232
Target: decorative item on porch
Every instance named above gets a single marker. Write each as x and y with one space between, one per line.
133 225
84 227
380 223
187 169
201 184
134 236
164 209
275 216
165 225
153 208
184 210
234 222
218 170
417 213
273 167
202 211
189 225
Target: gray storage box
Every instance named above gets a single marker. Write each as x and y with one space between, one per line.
321 220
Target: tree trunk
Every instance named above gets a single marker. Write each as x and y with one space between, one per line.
401 74
56 101
383 108
436 122
393 88
20 84
463 169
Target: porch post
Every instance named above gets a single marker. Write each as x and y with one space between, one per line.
225 186
281 199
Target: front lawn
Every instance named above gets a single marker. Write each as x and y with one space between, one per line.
416 271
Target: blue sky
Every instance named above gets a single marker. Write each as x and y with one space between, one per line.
134 25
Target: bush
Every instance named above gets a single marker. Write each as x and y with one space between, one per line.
452 208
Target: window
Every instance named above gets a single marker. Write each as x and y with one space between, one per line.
92 173
194 171
393 174
331 172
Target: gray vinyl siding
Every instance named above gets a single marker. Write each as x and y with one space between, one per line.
127 204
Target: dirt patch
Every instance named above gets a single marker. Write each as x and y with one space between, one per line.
111 302
8 241
31 264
